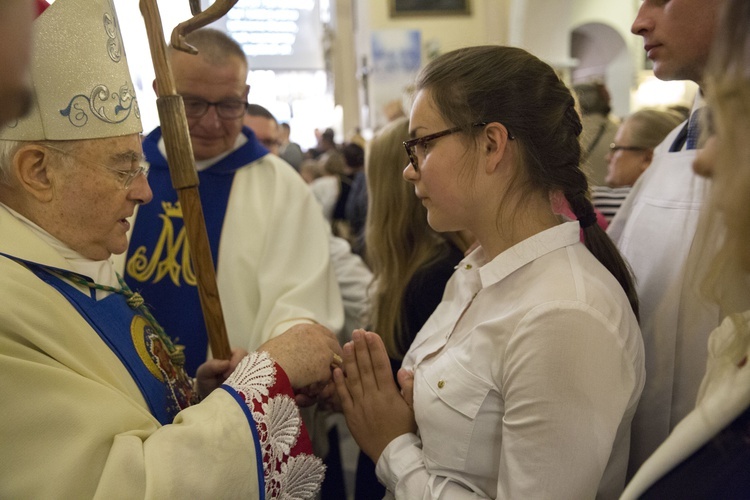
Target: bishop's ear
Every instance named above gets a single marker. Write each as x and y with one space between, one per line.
32 167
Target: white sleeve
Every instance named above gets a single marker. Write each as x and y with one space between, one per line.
403 472
354 278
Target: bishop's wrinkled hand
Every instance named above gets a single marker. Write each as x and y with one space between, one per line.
305 353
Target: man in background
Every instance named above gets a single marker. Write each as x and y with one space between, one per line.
352 275
655 227
267 236
265 127
599 129
353 278
326 143
289 151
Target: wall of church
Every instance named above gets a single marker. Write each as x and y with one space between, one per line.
544 27
583 39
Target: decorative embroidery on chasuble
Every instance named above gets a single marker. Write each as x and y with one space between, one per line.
158 263
156 357
159 267
153 361
290 470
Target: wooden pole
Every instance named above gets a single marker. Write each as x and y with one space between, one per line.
181 161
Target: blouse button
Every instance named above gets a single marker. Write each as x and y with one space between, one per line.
468 266
441 384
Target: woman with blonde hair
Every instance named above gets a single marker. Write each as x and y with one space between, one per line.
707 455
411 262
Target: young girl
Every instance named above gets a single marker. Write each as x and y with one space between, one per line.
411 263
526 377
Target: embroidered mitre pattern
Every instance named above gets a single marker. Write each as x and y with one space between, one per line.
289 472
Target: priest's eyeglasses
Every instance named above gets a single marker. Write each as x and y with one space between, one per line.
229 109
417 148
125 177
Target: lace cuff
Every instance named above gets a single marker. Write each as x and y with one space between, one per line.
290 469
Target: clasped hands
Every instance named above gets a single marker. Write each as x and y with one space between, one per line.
362 387
376 411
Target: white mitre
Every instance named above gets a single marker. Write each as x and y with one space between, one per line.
79 75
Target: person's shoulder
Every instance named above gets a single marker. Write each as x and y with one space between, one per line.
325 182
272 164
565 272
14 272
575 280
282 164
437 271
272 176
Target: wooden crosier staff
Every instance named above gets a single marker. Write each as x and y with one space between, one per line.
180 158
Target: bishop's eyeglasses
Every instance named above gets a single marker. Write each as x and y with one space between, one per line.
124 177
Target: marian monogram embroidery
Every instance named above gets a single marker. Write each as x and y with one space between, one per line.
171 255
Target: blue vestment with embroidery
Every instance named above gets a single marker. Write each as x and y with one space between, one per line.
158 261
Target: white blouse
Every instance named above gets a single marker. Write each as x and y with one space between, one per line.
527 376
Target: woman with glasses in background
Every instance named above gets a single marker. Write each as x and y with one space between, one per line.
524 381
631 154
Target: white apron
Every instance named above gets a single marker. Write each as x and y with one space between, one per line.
654 231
